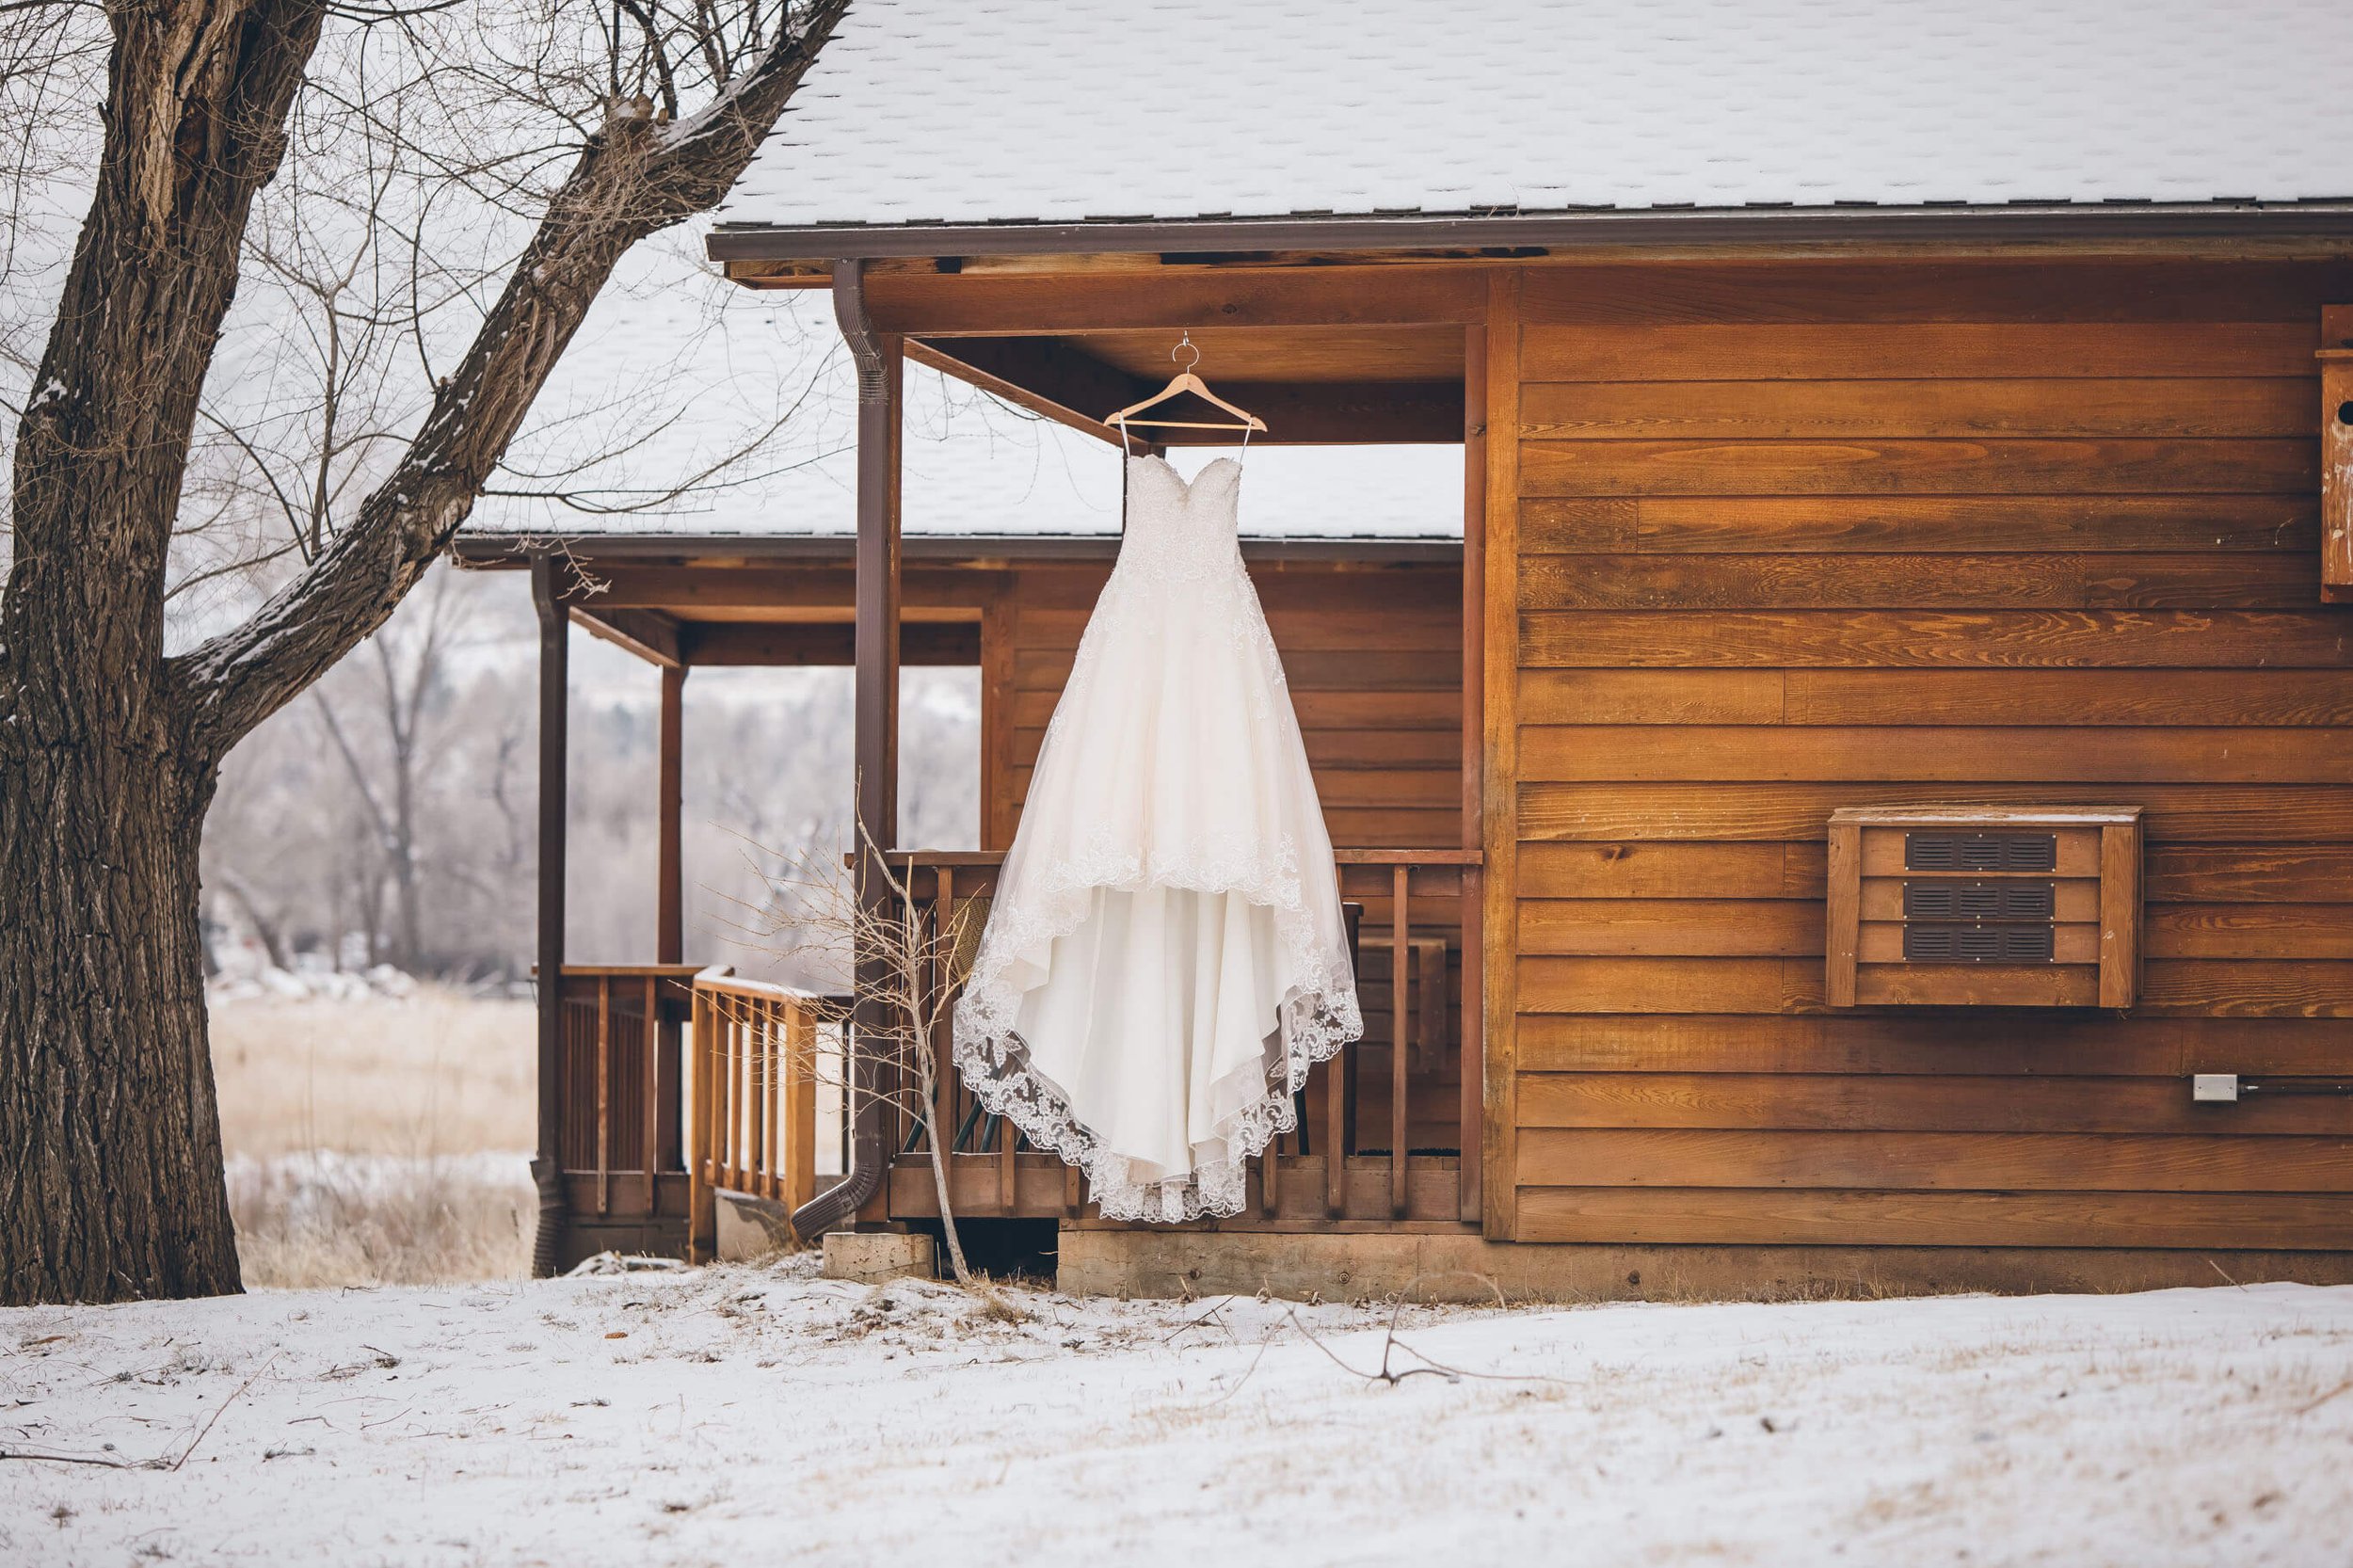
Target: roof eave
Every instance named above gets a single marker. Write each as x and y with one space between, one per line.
2327 222
495 551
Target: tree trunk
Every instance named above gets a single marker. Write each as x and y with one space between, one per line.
110 1159
110 1178
110 1173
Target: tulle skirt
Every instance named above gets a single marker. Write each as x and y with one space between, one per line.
1164 957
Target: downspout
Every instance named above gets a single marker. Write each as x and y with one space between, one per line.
875 826
547 1172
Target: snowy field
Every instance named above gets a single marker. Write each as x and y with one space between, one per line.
763 1415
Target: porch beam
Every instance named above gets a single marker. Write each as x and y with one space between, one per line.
669 925
649 634
1049 377
684 592
805 643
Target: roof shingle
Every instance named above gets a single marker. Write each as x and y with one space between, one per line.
952 111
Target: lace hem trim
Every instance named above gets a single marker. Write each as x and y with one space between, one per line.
997 1068
1319 1016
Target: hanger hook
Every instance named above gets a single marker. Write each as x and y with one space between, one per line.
1184 343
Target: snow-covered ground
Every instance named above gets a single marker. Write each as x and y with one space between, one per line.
763 1415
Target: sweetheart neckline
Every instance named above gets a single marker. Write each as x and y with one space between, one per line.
1186 484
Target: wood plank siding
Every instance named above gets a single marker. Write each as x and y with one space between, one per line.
1788 537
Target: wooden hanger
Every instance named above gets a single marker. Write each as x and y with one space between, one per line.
1186 381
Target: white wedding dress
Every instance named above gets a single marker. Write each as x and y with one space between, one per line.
1164 955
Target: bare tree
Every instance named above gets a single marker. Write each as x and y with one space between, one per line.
912 957
110 742
408 671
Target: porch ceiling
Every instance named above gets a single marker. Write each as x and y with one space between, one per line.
1314 385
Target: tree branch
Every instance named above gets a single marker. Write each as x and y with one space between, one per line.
633 178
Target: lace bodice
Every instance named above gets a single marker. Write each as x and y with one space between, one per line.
1179 532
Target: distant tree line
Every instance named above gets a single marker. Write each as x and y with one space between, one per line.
388 818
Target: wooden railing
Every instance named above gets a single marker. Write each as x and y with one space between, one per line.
617 1141
1384 1122
752 1126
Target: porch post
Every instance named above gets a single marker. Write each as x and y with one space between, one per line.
669 925
555 669
875 826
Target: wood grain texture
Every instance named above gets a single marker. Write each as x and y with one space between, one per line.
2167 754
1842 909
1917 1102
2286 1162
2116 466
1899 984
2047 639
2066 699
1651 696
2276 580
2249 930
2281 988
1499 805
2059 1218
1930 350
1669 871
2179 813
2254 873
1930 289
2149 406
2119 914
1654 927
2011 1045
1948 524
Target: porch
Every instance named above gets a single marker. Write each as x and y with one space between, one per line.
682 1085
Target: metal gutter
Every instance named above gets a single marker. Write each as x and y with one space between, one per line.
2327 221
876 721
547 1162
503 551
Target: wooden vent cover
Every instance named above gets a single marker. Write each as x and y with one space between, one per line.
1958 906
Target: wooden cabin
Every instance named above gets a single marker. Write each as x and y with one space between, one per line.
1867 802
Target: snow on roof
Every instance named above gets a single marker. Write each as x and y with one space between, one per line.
945 111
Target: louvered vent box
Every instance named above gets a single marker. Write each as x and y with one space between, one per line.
1986 906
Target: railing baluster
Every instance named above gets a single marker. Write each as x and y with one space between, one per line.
711 1046
1398 975
735 1097
1422 1026
1472 1096
1268 1163
697 1190
604 1093
1336 1131
652 1119
800 1122
772 1098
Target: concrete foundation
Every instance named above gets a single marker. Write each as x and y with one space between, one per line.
1466 1268
751 1229
875 1257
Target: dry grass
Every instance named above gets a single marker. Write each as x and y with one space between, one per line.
318 1218
378 1142
438 1073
